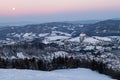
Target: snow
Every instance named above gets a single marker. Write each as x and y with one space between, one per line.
13 57
57 54
57 37
20 55
89 48
53 28
76 39
29 35
65 74
60 33
103 38
54 38
82 35
43 34
17 35
86 40
91 40
60 53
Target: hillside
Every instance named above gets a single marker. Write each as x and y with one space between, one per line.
59 45
103 28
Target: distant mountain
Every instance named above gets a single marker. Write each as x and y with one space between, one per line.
83 21
17 23
102 28
11 31
115 18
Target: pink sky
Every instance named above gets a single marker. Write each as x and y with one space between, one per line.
41 11
40 7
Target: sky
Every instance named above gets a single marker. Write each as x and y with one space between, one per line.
39 11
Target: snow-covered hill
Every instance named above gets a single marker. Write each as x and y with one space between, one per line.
65 74
69 43
103 28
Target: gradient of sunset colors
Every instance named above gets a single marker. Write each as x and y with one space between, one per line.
55 10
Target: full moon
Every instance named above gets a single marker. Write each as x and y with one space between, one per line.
13 9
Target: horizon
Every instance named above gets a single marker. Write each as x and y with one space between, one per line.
38 11
23 23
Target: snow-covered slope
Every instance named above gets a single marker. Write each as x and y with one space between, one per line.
69 74
92 40
76 39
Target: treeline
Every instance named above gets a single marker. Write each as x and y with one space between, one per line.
27 48
57 63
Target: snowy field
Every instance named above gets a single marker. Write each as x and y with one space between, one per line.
64 74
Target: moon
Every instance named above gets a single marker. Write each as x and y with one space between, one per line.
13 9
